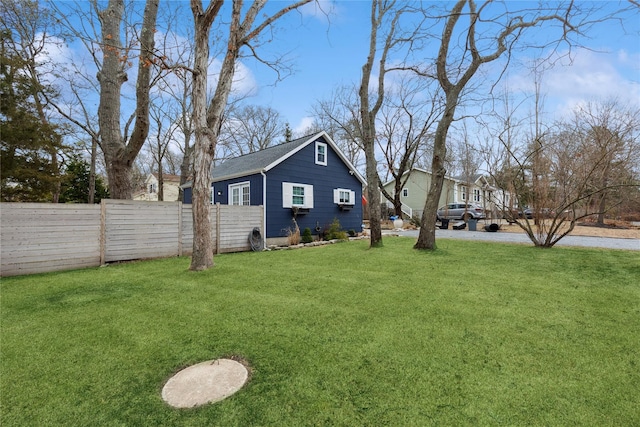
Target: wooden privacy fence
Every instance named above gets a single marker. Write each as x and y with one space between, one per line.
43 237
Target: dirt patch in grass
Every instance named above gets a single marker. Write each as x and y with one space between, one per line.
610 229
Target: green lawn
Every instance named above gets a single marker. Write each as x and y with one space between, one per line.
340 335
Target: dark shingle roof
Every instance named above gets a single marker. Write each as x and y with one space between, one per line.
258 161
472 178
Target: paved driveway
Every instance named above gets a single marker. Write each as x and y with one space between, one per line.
584 241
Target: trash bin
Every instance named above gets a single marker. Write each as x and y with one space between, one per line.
472 224
444 224
492 227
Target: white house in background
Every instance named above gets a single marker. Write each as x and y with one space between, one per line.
476 189
171 188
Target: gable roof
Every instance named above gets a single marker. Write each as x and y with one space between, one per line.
264 160
167 178
416 169
472 178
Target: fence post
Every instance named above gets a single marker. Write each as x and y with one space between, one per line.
218 249
263 227
103 230
179 228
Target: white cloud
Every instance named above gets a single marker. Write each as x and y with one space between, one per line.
244 82
319 9
631 60
304 124
586 76
590 76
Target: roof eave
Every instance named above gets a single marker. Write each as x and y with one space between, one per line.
237 175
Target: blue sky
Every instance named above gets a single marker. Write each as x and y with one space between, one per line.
330 54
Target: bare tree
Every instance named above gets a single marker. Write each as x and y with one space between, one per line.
30 26
572 171
80 84
499 152
385 16
248 129
609 138
466 164
339 116
405 123
207 121
121 148
159 145
487 33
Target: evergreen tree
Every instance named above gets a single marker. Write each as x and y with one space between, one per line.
75 185
27 173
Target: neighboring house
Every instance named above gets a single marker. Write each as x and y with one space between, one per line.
455 190
414 192
171 188
473 189
477 189
308 178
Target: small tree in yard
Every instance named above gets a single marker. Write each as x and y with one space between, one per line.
577 170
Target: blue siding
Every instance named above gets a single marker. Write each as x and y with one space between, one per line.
222 187
301 168
255 185
187 195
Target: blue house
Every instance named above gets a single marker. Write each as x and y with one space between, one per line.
308 179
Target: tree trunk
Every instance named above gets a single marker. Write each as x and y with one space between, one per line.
160 184
397 203
92 170
185 167
207 121
120 176
119 156
367 117
603 197
204 146
373 194
111 78
427 235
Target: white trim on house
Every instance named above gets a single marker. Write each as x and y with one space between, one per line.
243 192
343 196
321 153
297 195
350 166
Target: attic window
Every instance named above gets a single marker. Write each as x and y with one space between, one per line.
321 153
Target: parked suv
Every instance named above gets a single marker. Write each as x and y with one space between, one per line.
463 211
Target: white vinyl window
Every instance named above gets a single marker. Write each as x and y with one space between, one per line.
321 153
240 194
476 195
343 196
297 195
405 192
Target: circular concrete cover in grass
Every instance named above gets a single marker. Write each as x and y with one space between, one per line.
205 382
